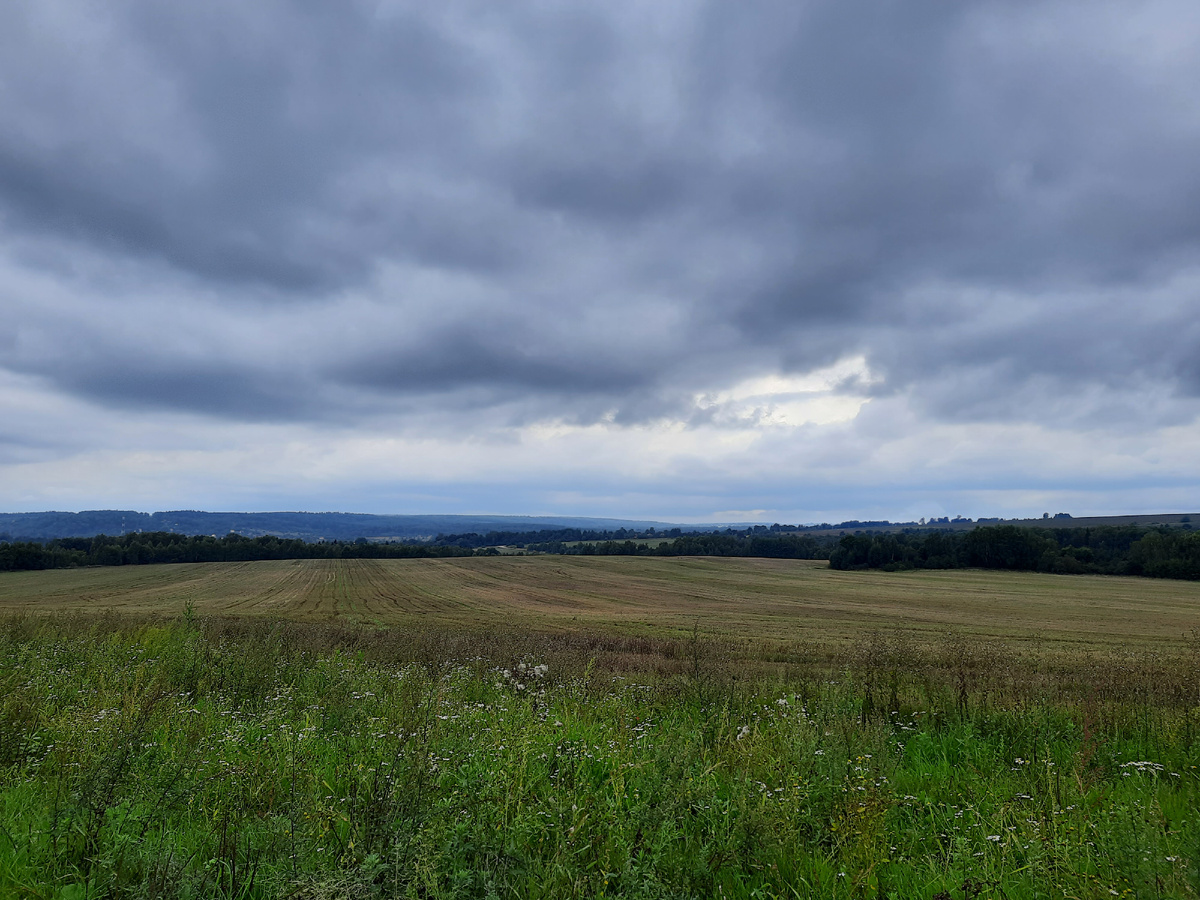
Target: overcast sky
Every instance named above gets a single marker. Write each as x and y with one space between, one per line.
782 261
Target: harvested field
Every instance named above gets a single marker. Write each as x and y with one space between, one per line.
756 599
548 727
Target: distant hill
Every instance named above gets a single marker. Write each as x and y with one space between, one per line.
303 525
42 526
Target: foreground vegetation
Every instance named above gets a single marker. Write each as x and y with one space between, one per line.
225 758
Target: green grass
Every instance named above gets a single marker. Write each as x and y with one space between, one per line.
225 758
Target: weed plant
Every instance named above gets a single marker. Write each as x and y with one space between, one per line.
215 758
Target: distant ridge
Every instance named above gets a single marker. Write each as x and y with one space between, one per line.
304 525
43 526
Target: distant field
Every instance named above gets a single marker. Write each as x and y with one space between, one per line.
757 599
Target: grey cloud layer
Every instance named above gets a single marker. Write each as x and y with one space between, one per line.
600 211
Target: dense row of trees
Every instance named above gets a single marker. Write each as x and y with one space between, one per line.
770 546
1112 550
473 540
167 547
566 536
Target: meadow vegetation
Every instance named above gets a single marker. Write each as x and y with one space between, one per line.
595 727
216 757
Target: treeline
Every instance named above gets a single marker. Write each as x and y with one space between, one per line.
166 547
521 539
1109 550
769 546
561 540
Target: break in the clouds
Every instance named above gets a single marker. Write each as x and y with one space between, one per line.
679 260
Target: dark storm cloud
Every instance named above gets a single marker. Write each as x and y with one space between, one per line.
603 190
204 389
275 106
775 184
467 357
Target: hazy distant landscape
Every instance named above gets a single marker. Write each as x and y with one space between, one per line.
299 525
48 525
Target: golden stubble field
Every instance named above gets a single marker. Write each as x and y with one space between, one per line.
754 599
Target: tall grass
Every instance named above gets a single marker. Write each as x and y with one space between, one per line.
216 758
